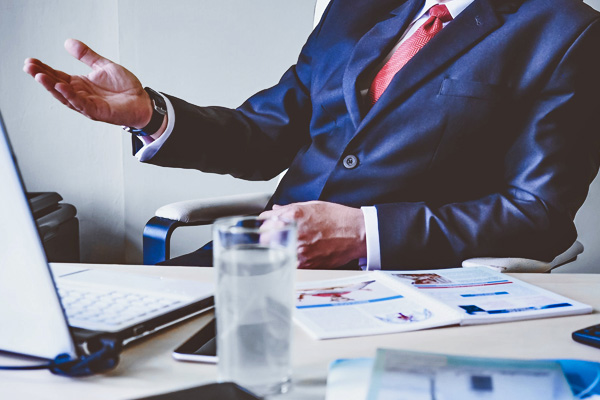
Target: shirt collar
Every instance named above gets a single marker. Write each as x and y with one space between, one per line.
455 7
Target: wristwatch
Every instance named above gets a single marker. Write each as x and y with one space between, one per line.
159 110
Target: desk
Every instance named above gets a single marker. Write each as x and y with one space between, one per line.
147 368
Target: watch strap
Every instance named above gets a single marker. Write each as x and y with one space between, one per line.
159 109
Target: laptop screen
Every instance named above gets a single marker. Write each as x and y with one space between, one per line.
33 321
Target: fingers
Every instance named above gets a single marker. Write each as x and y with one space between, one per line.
47 77
48 83
84 54
78 103
277 211
266 215
34 66
62 92
293 211
59 83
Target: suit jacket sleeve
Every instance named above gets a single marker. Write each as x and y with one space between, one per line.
256 141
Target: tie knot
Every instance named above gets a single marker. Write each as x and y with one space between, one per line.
440 11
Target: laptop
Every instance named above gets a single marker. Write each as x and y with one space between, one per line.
66 308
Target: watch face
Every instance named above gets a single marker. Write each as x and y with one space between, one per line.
158 102
157 107
159 110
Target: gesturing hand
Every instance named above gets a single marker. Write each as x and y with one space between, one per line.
110 93
329 234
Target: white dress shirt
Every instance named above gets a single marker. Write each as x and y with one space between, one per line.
373 260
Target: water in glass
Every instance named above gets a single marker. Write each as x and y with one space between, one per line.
254 316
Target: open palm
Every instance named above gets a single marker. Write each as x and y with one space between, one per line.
109 93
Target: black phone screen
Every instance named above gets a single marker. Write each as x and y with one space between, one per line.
201 347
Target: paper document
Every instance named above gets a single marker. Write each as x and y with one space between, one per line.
397 301
484 296
366 305
406 375
349 379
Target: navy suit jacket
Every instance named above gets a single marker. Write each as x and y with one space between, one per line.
484 144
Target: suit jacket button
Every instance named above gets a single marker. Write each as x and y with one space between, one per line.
350 161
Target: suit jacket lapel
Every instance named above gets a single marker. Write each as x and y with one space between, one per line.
370 48
474 23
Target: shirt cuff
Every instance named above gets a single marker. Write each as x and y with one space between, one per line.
372 233
151 147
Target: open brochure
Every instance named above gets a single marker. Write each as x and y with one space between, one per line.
397 301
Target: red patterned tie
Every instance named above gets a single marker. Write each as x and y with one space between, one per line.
437 16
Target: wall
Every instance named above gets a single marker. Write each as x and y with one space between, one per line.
57 149
208 52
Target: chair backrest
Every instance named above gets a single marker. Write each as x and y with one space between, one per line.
319 9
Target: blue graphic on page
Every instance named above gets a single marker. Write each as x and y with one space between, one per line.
473 309
349 303
483 294
345 295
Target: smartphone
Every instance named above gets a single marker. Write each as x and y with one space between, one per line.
226 390
589 336
202 347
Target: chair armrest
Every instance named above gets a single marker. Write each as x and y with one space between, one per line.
158 230
511 264
207 210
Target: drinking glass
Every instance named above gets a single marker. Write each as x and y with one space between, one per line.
255 261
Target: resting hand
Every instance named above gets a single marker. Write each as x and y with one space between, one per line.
110 93
329 234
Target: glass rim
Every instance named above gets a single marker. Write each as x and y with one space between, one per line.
224 224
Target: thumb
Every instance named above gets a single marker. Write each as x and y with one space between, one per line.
83 53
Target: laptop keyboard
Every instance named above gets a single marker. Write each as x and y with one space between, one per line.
94 307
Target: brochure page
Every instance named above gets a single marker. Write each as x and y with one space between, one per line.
363 305
482 295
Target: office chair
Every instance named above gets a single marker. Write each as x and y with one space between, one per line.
158 230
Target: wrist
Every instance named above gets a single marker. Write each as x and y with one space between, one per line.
359 232
146 110
162 128
155 112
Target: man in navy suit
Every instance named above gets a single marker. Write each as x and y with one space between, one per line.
483 142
